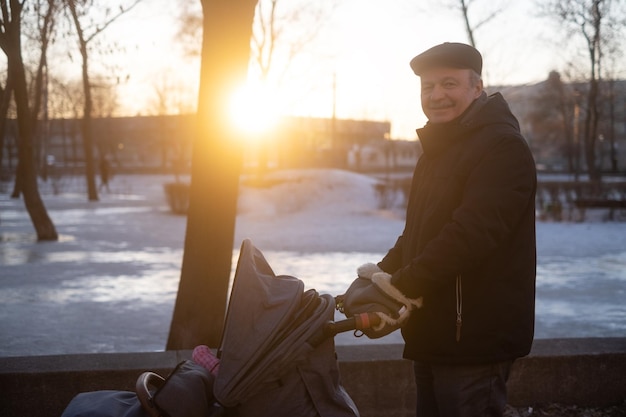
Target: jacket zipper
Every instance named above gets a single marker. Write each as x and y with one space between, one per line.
459 308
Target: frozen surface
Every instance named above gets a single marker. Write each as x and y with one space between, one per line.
110 283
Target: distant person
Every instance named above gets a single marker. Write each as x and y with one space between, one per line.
105 174
468 245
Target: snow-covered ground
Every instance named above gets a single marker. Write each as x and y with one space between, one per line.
109 284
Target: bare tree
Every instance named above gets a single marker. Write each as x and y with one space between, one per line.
45 15
280 27
190 28
564 103
597 23
10 42
474 13
6 93
37 26
281 31
274 32
170 97
216 164
65 104
81 13
65 98
553 123
471 27
611 97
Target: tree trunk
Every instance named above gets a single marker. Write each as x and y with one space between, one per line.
593 113
591 131
5 101
26 175
90 171
216 164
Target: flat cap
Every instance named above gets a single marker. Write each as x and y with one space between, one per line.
448 54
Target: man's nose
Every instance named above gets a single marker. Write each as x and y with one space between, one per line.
436 93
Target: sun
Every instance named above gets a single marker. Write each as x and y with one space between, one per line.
253 110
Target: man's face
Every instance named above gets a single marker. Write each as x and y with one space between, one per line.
447 93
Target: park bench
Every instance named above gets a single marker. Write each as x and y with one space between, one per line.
569 200
601 203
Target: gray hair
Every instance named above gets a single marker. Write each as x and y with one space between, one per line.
474 77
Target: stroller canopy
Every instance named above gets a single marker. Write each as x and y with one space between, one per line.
268 360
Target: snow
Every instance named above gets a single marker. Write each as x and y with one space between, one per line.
110 282
317 211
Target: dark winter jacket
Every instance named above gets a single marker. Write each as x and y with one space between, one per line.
468 246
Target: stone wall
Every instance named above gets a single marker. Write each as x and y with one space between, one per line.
566 371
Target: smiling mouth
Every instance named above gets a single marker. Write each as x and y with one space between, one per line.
440 106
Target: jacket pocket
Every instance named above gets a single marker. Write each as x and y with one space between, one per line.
459 307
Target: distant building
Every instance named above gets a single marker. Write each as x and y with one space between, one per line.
553 123
164 143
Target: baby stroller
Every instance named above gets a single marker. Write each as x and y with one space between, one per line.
277 358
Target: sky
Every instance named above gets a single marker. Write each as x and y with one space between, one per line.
358 60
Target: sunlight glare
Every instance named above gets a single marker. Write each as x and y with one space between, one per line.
253 110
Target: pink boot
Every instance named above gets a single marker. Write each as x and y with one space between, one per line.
202 355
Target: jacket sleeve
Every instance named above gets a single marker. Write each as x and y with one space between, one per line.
499 191
393 260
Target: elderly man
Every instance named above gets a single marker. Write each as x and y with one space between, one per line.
468 245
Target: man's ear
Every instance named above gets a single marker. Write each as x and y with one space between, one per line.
479 88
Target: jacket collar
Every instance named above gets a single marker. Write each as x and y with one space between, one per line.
436 137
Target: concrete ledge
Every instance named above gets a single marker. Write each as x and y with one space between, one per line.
585 372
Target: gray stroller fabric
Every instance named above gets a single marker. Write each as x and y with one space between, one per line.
186 392
269 364
105 403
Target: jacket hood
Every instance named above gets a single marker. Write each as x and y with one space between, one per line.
486 111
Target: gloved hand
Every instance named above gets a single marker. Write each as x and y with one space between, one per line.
372 292
367 270
382 280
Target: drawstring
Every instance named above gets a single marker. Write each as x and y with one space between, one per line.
459 308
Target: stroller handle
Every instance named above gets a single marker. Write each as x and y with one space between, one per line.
142 389
361 321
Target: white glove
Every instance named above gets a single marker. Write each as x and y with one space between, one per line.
383 281
367 270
